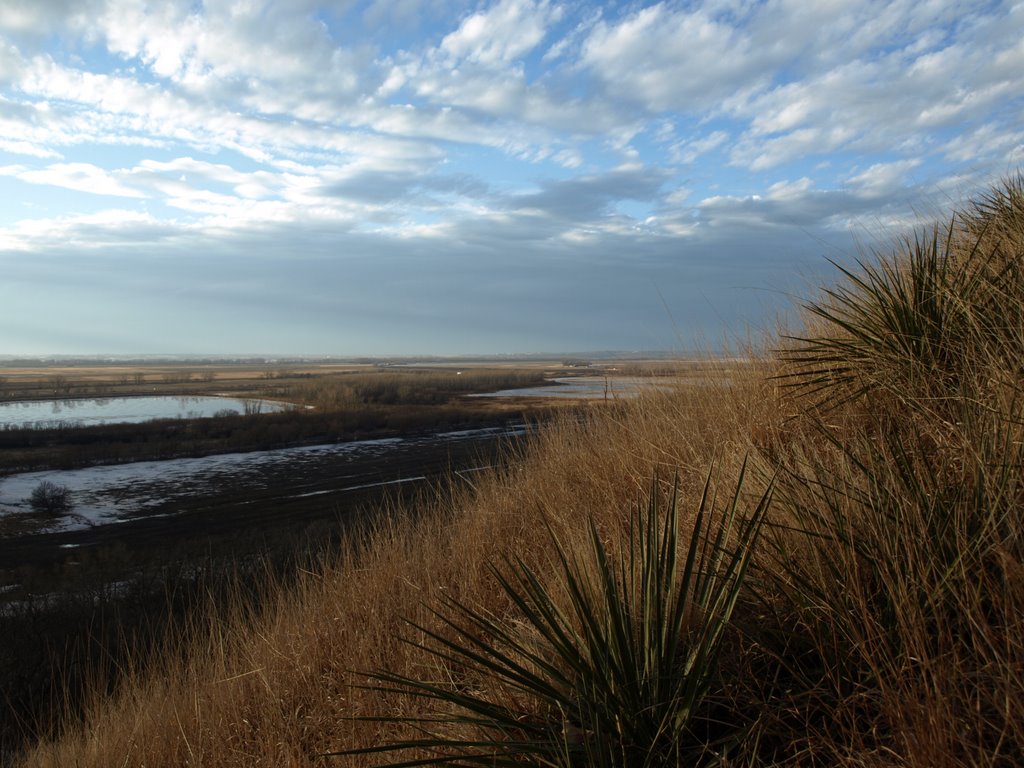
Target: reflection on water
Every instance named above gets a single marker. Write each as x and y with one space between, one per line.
41 414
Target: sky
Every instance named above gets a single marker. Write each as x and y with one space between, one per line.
450 177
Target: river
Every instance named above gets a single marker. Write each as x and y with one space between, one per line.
44 414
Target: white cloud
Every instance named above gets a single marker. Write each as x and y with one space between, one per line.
38 17
81 177
989 141
883 178
86 231
477 75
267 134
502 33
671 60
11 63
688 151
789 190
26 148
120 109
269 46
893 100
568 158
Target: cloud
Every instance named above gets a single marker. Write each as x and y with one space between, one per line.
398 163
802 85
789 190
992 140
553 269
665 59
62 236
895 100
500 34
884 178
38 17
124 110
588 198
423 192
474 85
229 42
26 148
690 150
82 177
11 63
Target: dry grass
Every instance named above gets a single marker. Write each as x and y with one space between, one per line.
278 690
883 619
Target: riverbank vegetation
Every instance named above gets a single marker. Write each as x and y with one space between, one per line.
819 555
350 383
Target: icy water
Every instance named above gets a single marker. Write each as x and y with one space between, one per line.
579 387
117 493
42 414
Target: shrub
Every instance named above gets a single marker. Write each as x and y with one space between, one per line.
50 498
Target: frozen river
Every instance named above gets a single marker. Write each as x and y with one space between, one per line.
581 388
41 414
105 495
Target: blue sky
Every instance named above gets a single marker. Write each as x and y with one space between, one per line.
400 177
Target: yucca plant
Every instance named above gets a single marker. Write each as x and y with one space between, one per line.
926 323
998 213
614 674
895 325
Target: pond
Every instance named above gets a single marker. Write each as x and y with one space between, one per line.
44 414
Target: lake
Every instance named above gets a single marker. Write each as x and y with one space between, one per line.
43 414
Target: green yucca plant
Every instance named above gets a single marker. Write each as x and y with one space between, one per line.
616 678
999 213
927 323
940 327
895 324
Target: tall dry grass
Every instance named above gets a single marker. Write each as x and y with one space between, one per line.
906 579
279 689
881 621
